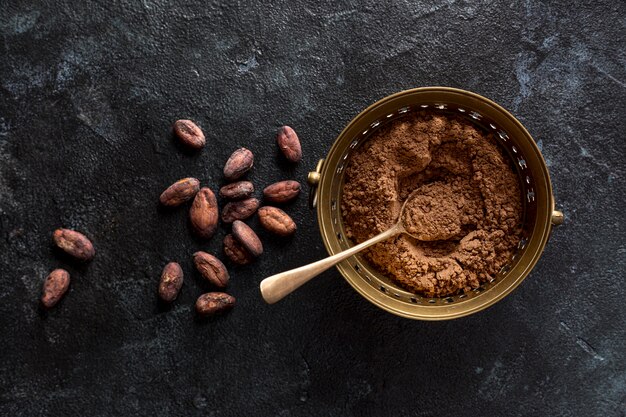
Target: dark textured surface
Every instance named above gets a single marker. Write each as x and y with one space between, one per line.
88 94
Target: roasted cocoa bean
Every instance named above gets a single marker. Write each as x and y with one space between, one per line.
235 252
237 190
289 144
276 221
214 302
179 192
248 239
211 268
189 134
239 210
54 287
74 244
204 213
282 191
171 282
238 164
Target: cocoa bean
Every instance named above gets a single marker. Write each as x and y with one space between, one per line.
239 210
204 213
179 192
237 190
54 287
74 244
235 252
238 164
214 302
189 134
276 221
171 282
282 191
211 268
248 239
289 144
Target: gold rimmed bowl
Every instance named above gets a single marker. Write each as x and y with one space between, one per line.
539 214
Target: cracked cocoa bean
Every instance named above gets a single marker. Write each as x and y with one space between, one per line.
237 190
180 192
171 282
189 134
239 210
211 268
236 252
204 213
54 287
248 239
239 163
213 303
282 191
74 244
276 221
289 144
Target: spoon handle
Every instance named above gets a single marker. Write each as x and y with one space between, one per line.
276 287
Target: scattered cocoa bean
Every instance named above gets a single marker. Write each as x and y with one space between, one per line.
211 268
189 134
248 239
204 213
54 287
238 164
74 244
179 192
289 143
239 210
237 190
276 221
171 282
214 302
282 191
235 251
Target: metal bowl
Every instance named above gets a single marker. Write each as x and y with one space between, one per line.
538 217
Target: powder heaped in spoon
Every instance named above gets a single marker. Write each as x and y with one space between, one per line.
432 213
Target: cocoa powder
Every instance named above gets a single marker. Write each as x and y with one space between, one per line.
458 170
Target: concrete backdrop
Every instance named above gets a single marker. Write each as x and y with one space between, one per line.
88 93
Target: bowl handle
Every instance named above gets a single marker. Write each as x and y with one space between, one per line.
557 217
313 179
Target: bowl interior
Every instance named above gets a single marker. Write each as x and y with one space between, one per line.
524 157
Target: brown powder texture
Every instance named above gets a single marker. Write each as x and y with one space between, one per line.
466 213
432 212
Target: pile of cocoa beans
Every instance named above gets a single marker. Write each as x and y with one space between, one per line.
242 246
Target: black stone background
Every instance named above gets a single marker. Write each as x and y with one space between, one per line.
89 91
